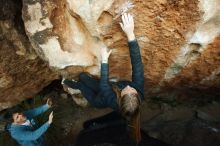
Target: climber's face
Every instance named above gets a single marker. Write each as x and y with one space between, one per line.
19 118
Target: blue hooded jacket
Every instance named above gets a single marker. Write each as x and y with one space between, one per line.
30 135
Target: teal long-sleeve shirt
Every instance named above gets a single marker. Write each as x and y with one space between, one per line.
30 135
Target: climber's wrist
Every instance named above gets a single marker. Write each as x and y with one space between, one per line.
104 61
131 36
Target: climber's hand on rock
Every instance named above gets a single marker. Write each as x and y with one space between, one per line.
49 102
127 26
105 53
50 118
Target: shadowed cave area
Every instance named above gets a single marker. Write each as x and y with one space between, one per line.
176 122
43 41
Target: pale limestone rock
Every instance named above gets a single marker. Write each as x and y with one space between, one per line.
37 22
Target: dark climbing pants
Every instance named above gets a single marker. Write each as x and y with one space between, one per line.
88 86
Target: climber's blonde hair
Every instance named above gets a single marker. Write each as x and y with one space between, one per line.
129 106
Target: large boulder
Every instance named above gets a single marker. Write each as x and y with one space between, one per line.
179 39
22 73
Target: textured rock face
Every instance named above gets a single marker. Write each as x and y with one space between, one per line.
179 40
22 73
